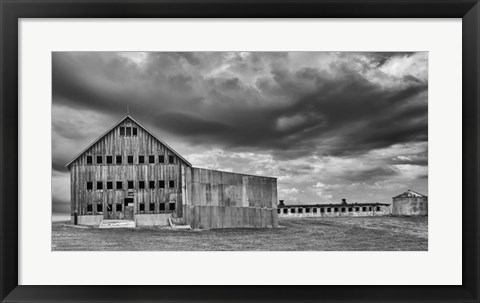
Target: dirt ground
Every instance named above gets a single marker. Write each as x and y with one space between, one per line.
294 234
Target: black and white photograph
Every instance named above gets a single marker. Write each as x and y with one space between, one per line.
240 151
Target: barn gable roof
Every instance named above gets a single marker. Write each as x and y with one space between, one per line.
117 124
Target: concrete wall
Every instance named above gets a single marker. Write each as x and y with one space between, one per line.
207 217
93 220
152 219
215 199
348 211
413 206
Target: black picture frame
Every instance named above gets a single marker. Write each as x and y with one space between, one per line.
12 10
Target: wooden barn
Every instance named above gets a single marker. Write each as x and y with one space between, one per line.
131 175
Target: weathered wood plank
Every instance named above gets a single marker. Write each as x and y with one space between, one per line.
115 145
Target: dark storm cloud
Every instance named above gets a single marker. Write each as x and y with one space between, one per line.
59 166
421 160
380 58
338 111
376 173
359 115
72 86
196 126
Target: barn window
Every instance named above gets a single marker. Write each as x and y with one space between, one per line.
315 210
89 159
109 185
171 206
350 209
141 207
118 159
364 208
152 207
171 159
130 184
129 131
161 159
329 210
122 131
130 159
292 210
89 208
335 209
89 185
109 159
378 208
307 210
343 209
171 183
322 210
279 210
151 159
161 184
119 184
141 184
118 207
162 206
134 131
300 210
99 208
151 184
99 159
285 210
370 208
357 208
99 185
141 159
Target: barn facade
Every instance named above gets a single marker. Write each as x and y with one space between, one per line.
130 174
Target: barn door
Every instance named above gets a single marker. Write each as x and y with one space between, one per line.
108 213
128 208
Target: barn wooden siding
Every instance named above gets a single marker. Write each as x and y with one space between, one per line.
215 199
113 144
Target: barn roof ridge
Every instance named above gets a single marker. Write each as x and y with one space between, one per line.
117 124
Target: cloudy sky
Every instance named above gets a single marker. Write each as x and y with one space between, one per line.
328 125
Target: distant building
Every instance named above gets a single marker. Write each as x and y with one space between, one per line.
342 209
410 203
129 174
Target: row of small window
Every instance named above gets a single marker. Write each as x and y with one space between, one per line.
128 131
119 159
329 209
131 184
141 207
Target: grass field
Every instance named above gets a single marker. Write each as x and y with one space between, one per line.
317 234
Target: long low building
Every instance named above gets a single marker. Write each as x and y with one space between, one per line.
343 209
